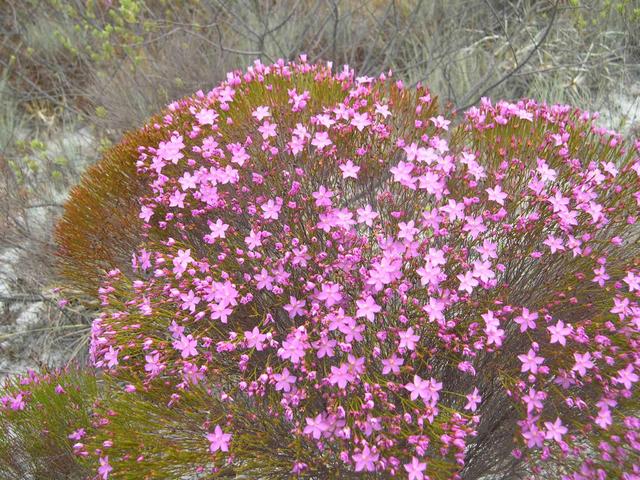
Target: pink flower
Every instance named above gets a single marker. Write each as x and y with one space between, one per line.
633 281
284 380
218 440
264 280
473 399
260 113
402 174
321 140
323 197
534 400
253 240
427 390
330 294
220 311
626 377
475 226
324 346
407 339
467 281
189 301
186 345
604 420
255 339
17 403
181 261
496 195
271 209
111 357
295 307
349 170
218 230
559 332
367 308
341 376
206 116
293 348
554 244
487 250
534 436
187 182
530 362
153 365
583 363
365 460
558 202
414 469
267 130
392 365
482 271
555 430
407 230
171 150
546 174
366 215
145 213
316 427
104 468
440 122
360 120
382 110
77 434
526 320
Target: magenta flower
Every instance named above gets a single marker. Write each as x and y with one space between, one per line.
473 399
415 468
316 427
295 307
321 140
327 252
365 460
261 112
271 209
367 308
583 363
555 430
218 440
349 170
105 469
427 390
341 376
530 362
392 365
284 380
186 346
559 332
408 339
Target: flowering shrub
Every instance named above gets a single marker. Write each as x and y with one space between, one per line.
39 414
335 277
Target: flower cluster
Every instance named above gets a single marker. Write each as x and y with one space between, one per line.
414 292
39 413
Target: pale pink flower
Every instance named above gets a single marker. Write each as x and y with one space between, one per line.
218 440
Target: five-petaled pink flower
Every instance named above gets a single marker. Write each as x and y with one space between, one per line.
218 440
415 468
530 362
365 460
427 390
105 469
